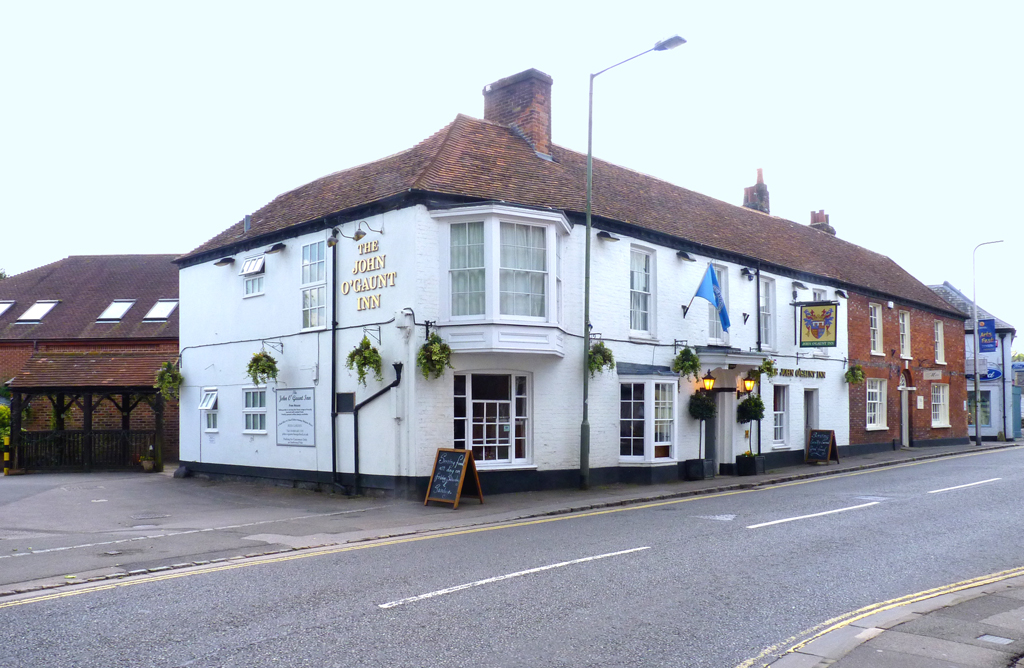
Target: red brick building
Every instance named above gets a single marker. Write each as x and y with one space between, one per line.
911 349
97 326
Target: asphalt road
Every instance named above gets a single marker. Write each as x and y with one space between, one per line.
700 582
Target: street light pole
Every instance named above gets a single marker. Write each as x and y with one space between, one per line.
664 45
974 298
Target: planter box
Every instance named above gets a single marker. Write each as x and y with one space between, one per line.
750 465
697 469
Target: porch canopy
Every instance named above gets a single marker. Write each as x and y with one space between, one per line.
85 380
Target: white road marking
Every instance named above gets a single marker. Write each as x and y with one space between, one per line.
970 484
468 585
180 533
804 517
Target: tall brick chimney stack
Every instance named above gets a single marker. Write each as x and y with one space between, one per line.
522 102
756 196
819 221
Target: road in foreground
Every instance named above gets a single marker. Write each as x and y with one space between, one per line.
700 582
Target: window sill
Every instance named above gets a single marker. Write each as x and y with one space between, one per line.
940 363
640 337
942 426
254 433
318 328
908 358
504 466
780 446
878 428
874 354
663 461
211 431
256 294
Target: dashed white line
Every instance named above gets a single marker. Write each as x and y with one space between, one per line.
804 517
970 484
449 590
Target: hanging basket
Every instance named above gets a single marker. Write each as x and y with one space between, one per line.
854 375
261 368
687 363
600 358
363 359
434 357
168 380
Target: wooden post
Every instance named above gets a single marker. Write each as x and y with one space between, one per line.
87 424
126 426
60 409
158 454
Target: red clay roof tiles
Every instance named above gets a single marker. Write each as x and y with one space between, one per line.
91 369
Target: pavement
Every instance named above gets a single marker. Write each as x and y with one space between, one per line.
184 523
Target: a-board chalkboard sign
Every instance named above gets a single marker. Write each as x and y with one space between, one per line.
822 447
453 471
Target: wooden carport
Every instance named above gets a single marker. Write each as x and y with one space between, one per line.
85 380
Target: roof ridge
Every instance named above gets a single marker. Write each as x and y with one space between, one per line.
447 130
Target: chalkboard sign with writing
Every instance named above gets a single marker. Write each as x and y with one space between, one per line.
453 469
821 447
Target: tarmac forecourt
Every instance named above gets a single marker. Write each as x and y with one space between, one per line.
799 641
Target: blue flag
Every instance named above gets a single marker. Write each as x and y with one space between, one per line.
711 291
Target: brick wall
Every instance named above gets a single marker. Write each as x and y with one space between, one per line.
891 364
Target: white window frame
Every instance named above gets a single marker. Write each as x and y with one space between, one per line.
879 386
642 298
252 274
210 422
820 295
940 342
984 406
766 313
313 282
875 329
653 422
520 414
116 311
555 226
208 402
162 310
4 305
780 417
254 410
37 311
940 405
905 349
716 335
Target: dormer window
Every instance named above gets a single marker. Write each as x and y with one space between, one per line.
4 305
252 276
161 310
116 310
37 311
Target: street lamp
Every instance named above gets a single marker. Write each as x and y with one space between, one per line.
664 45
974 298
709 381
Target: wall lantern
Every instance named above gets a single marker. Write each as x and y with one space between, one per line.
709 381
748 384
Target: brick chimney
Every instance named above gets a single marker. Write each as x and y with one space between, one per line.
819 221
522 102
756 196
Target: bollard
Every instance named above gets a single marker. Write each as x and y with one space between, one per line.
7 455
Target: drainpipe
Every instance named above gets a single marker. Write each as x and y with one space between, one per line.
757 308
355 423
334 365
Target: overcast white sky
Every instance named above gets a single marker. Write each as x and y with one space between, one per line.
137 127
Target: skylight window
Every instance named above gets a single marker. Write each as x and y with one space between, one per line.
253 265
162 309
116 310
37 311
4 306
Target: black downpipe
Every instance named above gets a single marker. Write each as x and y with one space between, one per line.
355 424
334 363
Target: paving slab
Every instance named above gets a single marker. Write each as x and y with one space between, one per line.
1012 621
938 625
867 656
938 649
886 619
840 642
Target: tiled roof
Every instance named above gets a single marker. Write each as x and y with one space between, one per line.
484 160
85 285
964 304
90 370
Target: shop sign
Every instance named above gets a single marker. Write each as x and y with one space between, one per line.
987 342
295 417
818 325
991 374
800 373
369 276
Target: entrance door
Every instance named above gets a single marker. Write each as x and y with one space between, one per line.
904 412
810 414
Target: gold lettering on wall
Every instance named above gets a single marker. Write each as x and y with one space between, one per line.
374 263
801 373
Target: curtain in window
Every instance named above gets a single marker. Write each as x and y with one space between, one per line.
523 272
467 265
639 291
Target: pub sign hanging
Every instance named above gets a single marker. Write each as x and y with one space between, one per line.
818 324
